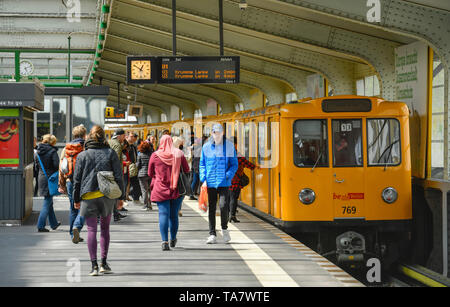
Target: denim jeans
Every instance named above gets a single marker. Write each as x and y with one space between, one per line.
168 217
75 220
195 181
47 211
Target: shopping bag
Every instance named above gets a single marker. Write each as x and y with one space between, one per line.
203 199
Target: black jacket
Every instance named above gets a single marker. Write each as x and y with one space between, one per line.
142 163
50 160
93 159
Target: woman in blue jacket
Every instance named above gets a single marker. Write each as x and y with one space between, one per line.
218 164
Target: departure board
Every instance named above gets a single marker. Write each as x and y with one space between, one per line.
208 69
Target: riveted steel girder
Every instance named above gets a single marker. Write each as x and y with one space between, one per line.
111 78
240 39
192 47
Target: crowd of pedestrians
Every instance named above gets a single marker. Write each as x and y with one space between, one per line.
101 176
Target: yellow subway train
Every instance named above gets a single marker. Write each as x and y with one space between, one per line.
335 169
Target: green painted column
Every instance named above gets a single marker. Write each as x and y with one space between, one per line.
17 65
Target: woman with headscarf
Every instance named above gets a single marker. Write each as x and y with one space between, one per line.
164 169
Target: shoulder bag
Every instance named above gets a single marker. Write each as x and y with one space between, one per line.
107 184
184 188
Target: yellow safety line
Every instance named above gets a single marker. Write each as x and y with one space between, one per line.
422 278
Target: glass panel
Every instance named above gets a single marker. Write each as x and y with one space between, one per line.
88 111
368 90
43 120
261 142
383 139
437 120
347 142
310 143
59 119
360 87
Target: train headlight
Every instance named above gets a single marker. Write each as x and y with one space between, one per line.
389 195
307 196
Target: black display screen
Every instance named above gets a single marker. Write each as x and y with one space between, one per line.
208 69
346 105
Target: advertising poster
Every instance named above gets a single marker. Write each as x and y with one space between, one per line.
9 142
411 62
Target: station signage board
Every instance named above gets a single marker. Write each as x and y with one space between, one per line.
183 69
111 113
207 69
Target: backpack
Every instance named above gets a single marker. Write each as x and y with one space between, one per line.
70 156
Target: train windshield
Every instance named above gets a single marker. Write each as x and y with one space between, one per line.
347 142
383 139
310 143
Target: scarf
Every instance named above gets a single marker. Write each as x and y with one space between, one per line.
94 144
171 156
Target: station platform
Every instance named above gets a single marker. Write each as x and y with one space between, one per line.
259 255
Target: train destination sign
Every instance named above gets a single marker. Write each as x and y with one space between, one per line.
192 69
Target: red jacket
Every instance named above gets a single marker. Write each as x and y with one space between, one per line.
160 174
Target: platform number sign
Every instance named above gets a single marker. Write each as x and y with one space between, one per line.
346 127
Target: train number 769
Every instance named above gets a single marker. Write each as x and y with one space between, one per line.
348 210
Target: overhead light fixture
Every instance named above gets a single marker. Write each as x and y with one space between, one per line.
243 5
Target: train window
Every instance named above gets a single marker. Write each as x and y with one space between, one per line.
310 143
261 142
347 142
383 139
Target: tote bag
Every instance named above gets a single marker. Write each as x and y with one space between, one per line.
52 180
184 188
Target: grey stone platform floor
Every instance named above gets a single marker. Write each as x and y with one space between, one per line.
258 255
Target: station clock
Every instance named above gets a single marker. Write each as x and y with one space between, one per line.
26 68
141 69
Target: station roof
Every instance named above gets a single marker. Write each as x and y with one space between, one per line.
280 44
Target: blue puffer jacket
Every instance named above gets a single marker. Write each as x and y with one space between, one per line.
216 167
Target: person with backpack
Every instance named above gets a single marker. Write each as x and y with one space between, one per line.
239 181
66 170
218 164
97 159
47 163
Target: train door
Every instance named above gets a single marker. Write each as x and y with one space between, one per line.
348 168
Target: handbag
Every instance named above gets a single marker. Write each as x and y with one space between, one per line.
108 185
52 180
133 170
244 180
184 188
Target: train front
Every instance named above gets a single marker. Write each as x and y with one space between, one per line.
346 174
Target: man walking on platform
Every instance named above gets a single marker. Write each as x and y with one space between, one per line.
218 164
116 144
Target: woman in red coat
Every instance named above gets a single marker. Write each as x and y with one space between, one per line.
164 169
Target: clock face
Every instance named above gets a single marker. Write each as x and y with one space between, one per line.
141 70
26 68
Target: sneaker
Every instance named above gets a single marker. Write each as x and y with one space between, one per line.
105 269
192 198
43 230
173 242
56 227
94 271
180 213
80 239
211 240
226 235
233 219
76 236
165 246
123 209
